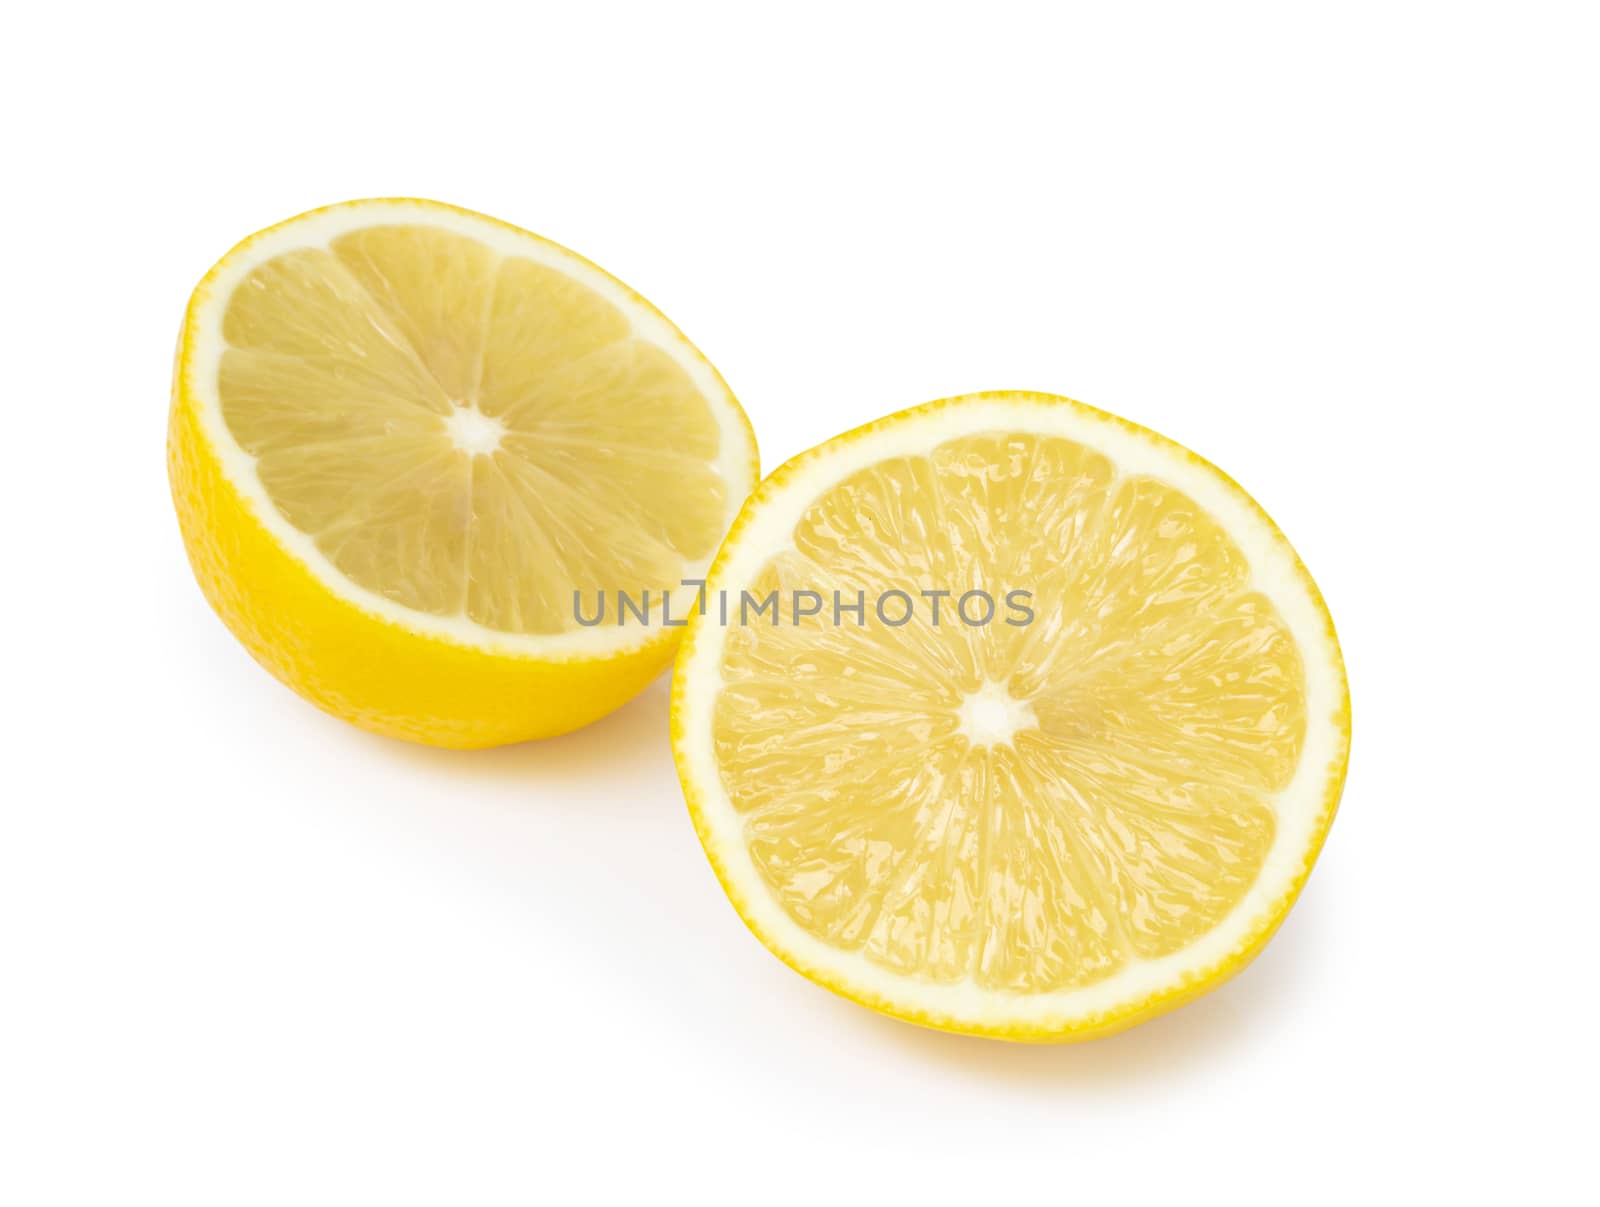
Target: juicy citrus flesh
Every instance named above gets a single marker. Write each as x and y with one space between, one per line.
466 433
999 810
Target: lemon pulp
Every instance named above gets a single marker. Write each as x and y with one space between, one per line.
467 433
1028 807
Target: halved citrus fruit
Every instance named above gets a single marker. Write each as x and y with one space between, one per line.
415 451
1006 716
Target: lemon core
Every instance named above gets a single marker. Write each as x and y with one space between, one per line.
474 433
990 715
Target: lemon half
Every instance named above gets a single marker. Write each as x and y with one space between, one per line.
411 446
1034 828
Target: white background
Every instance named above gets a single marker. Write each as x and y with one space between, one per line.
1346 251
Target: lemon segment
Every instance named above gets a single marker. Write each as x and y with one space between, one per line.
459 431
1041 815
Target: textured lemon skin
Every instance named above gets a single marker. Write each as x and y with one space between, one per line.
906 1009
350 662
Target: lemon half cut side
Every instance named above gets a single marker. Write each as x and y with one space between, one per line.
1037 828
407 441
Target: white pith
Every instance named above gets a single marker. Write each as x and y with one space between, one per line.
474 432
203 358
990 715
1275 573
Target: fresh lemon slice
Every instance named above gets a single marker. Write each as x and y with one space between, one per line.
416 451
1087 796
